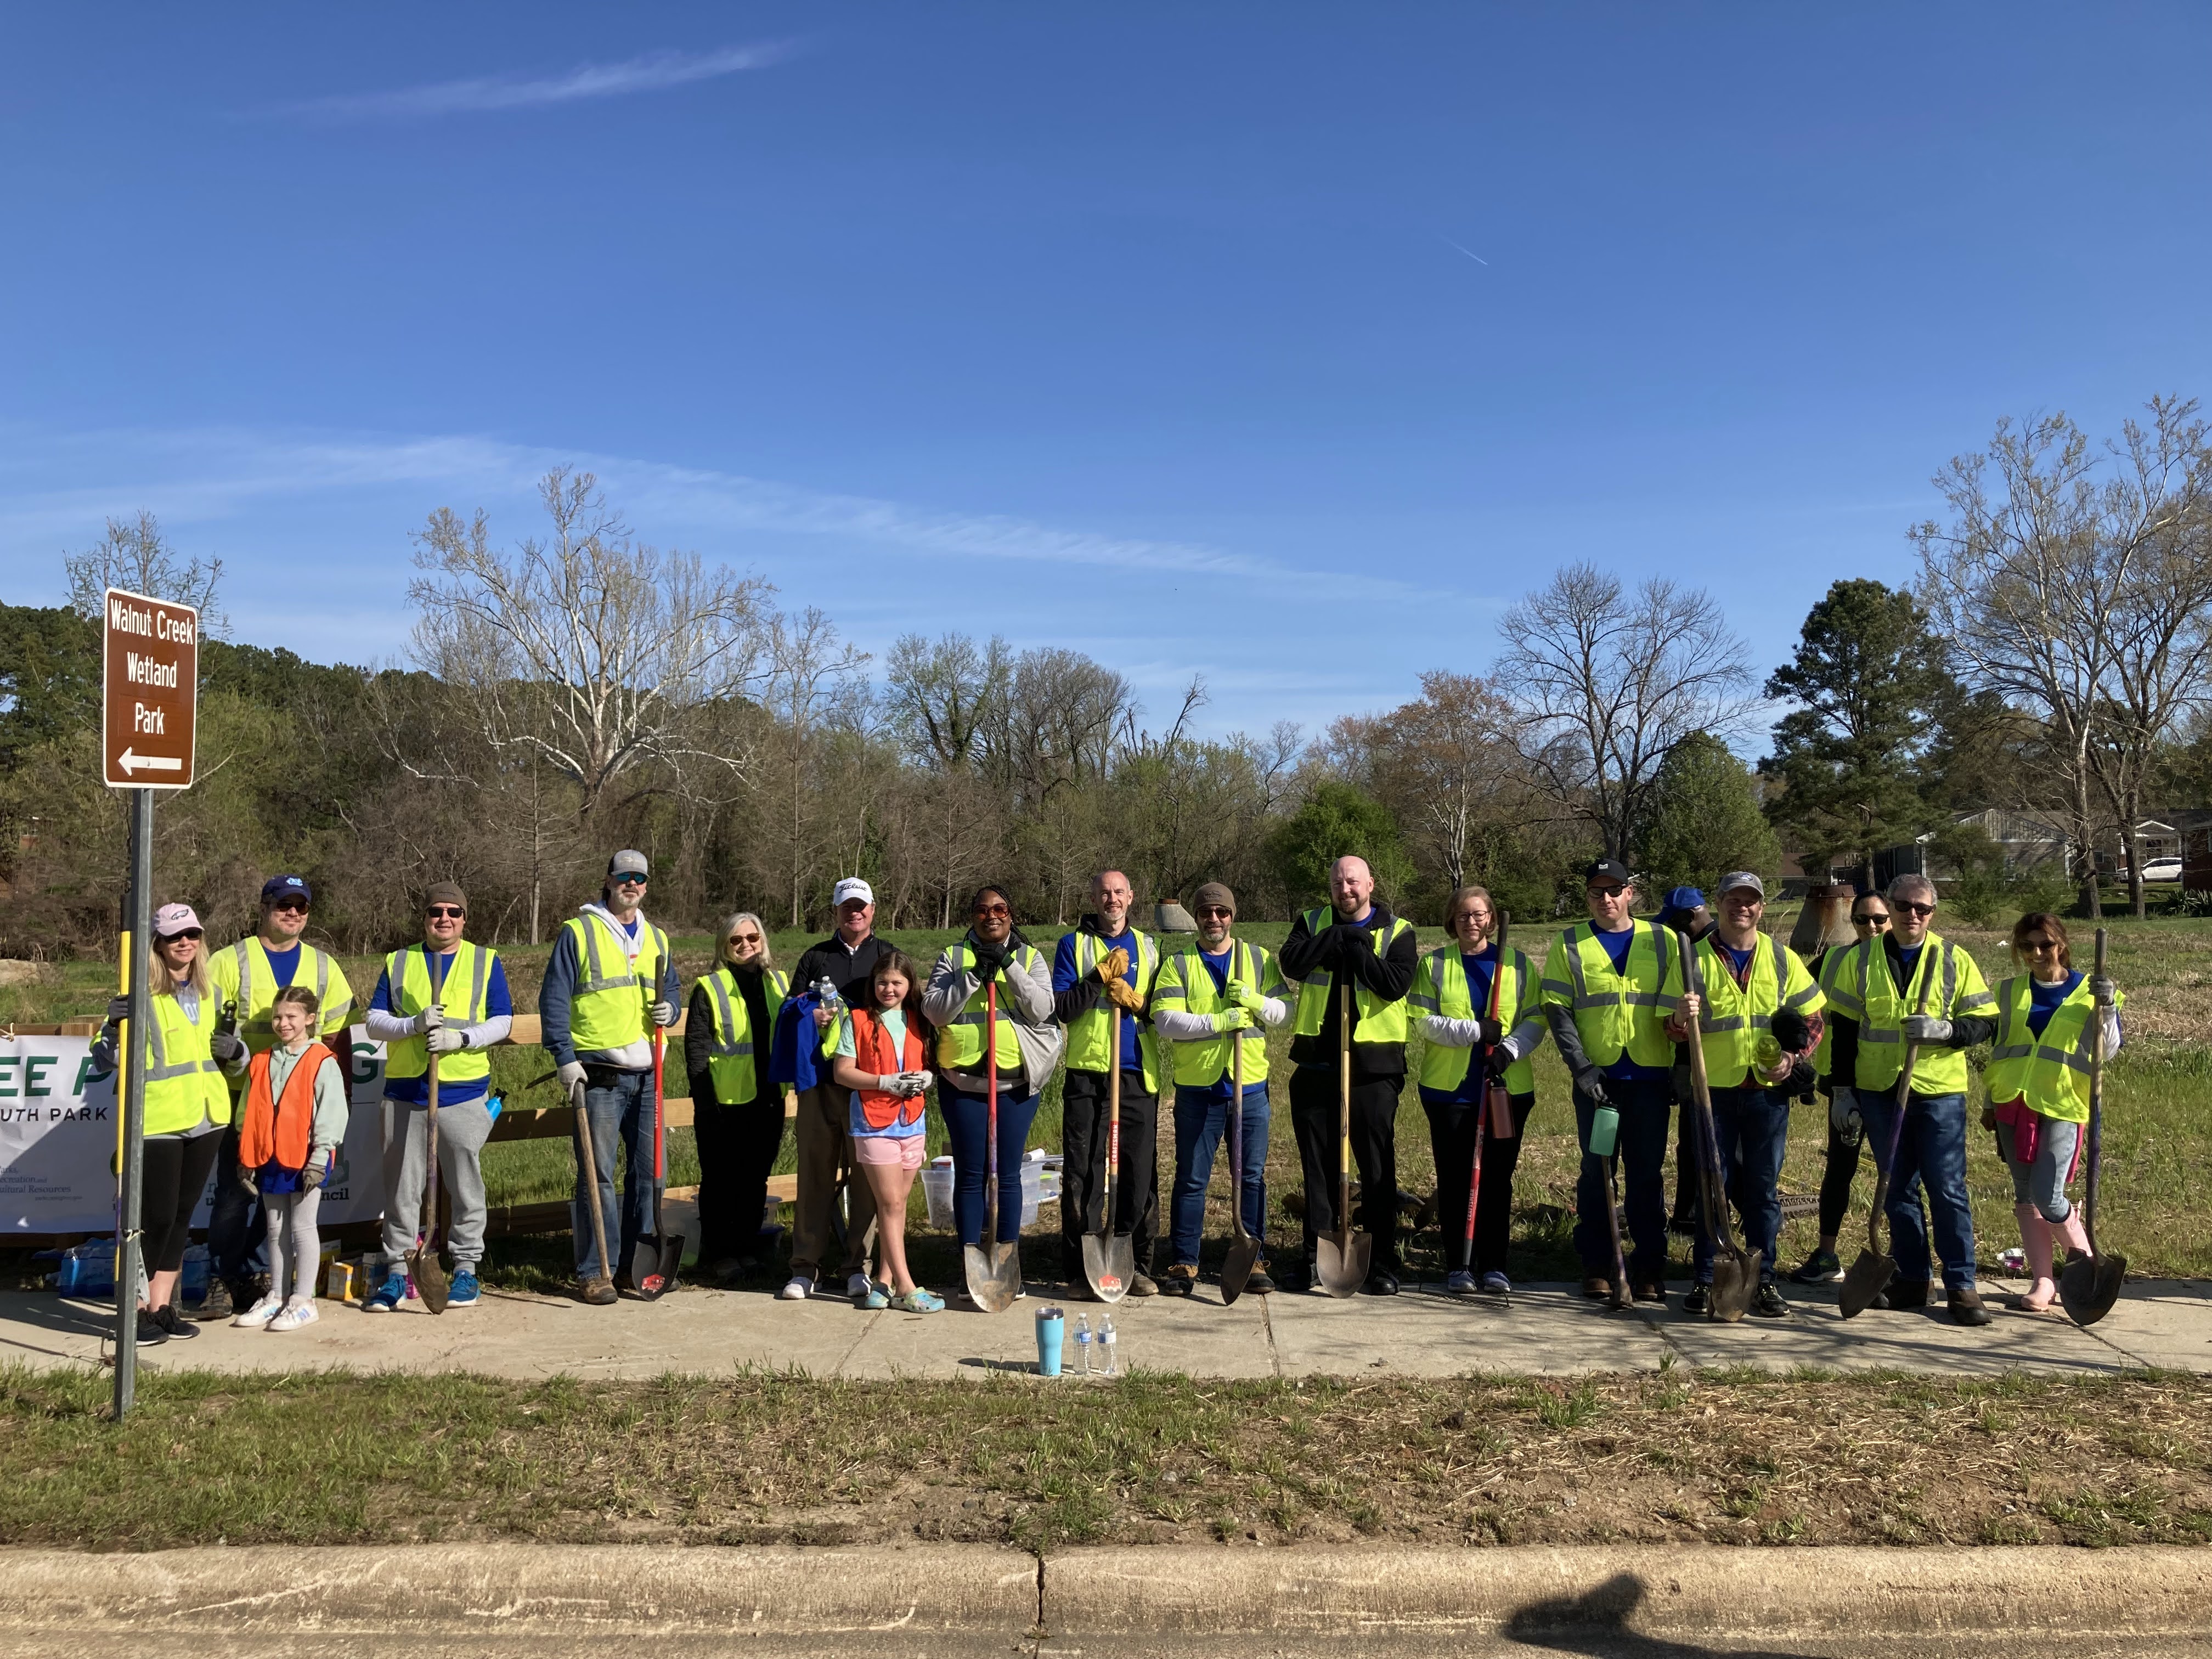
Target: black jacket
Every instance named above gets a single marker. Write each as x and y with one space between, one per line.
1351 949
849 971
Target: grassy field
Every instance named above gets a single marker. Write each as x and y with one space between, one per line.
2158 1144
1657 1457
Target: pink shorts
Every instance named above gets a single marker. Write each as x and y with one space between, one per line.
902 1150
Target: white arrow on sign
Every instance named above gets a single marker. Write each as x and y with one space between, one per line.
131 762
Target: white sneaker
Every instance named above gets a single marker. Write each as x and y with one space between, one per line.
260 1313
297 1312
798 1290
856 1286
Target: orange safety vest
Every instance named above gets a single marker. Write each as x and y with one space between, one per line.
872 1048
278 1129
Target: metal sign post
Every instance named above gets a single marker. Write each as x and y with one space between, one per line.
148 707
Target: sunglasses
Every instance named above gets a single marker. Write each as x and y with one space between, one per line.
1216 910
188 933
1916 909
2039 945
1615 891
630 881
744 939
992 910
299 904
1869 921
439 912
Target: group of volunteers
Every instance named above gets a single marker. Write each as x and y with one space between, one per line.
247 1062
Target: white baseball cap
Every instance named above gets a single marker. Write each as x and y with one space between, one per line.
852 887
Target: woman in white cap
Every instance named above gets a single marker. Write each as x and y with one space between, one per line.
185 1053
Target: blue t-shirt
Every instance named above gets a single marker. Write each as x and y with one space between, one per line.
283 964
415 1090
1064 977
2043 1000
1616 947
1481 970
1738 960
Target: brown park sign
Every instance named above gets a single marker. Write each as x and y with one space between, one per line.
151 692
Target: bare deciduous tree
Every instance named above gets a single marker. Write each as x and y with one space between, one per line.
1449 762
1608 681
944 695
134 555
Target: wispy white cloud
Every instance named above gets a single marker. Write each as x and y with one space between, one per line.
653 72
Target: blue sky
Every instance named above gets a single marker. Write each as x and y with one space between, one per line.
1289 345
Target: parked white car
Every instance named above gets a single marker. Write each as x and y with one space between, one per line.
2162 869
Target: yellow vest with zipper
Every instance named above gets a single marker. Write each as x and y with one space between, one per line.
1441 988
461 994
608 1008
1186 984
960 1045
1864 990
1736 1016
2050 1073
1378 1021
1089 1035
183 1084
733 1048
1616 1012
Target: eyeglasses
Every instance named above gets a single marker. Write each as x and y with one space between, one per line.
1216 910
442 912
1869 921
1482 916
992 911
1917 908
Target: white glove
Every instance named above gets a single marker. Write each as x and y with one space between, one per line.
571 1076
1926 1028
914 1083
429 1019
446 1038
1843 1114
2102 988
664 1013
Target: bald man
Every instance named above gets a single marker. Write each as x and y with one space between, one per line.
1354 937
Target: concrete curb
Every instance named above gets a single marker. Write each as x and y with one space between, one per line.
894 1595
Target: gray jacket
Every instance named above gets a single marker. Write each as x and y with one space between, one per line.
1026 993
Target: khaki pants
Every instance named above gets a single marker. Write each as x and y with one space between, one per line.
825 1153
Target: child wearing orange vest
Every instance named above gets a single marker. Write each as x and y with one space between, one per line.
295 1116
882 1057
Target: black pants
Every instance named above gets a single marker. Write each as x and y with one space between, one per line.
1083 1114
737 1146
1451 1133
238 1247
1836 1178
1314 1120
176 1172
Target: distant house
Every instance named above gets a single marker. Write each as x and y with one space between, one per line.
2026 841
2193 830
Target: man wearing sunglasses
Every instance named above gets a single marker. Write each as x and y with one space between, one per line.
609 983
1877 995
248 975
1868 915
446 998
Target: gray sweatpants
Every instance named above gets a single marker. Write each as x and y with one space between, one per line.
2042 1180
462 1131
294 1241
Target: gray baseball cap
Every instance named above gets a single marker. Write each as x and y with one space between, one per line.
1735 878
626 863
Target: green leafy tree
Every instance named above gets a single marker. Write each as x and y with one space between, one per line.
1867 677
1706 819
1338 819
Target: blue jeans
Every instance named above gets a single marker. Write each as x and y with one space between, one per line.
1753 1127
1933 1151
1200 1125
966 1121
619 1107
1645 1104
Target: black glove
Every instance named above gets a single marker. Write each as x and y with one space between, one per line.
990 959
227 1047
1499 1060
1489 1031
1801 1081
118 1010
1591 1082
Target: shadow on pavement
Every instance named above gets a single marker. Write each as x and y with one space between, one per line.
1597 1624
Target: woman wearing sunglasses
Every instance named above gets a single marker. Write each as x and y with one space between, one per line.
1025 1038
736 1112
185 1053
2039 1084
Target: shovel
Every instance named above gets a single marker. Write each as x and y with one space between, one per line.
422 1264
655 1257
1244 1249
994 1270
1735 1280
1868 1277
2090 1284
1341 1259
589 1160
1108 1259
1491 1087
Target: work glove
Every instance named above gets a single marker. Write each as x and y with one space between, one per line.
2100 986
1489 1031
990 959
664 1013
1591 1082
1926 1028
1124 996
118 1010
1501 1057
319 1168
1245 997
1844 1114
446 1038
1114 963
228 1048
1800 1080
1231 1020
429 1019
911 1083
250 1179
571 1076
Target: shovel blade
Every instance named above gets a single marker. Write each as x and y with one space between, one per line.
1110 1263
1342 1261
654 1264
1863 1281
995 1275
1734 1283
2088 1287
429 1276
1237 1267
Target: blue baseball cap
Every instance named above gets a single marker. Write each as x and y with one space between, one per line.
277 888
1685 899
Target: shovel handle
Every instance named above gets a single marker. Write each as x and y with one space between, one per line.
2096 1109
1344 1106
1236 1128
991 1114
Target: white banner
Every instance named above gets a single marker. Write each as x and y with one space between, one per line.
58 1129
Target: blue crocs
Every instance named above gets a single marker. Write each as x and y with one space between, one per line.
387 1296
465 1291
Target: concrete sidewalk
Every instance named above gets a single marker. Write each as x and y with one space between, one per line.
1547 1330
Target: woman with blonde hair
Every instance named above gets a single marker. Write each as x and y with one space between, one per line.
185 1052
737 1115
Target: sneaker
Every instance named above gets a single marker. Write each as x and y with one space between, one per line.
388 1295
918 1300
217 1303
598 1293
1697 1299
465 1291
1459 1282
800 1287
857 1287
1181 1279
259 1314
300 1310
1496 1283
151 1333
1821 1268
874 1299
1768 1303
1145 1284
174 1322
1259 1283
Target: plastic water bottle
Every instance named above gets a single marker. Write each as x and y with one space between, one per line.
1083 1345
826 989
1108 1355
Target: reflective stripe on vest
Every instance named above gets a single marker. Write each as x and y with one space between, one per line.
408 979
1379 1021
960 1044
608 1009
2050 1073
1623 1012
1187 983
732 1046
253 1023
1442 988
183 1084
1881 1008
